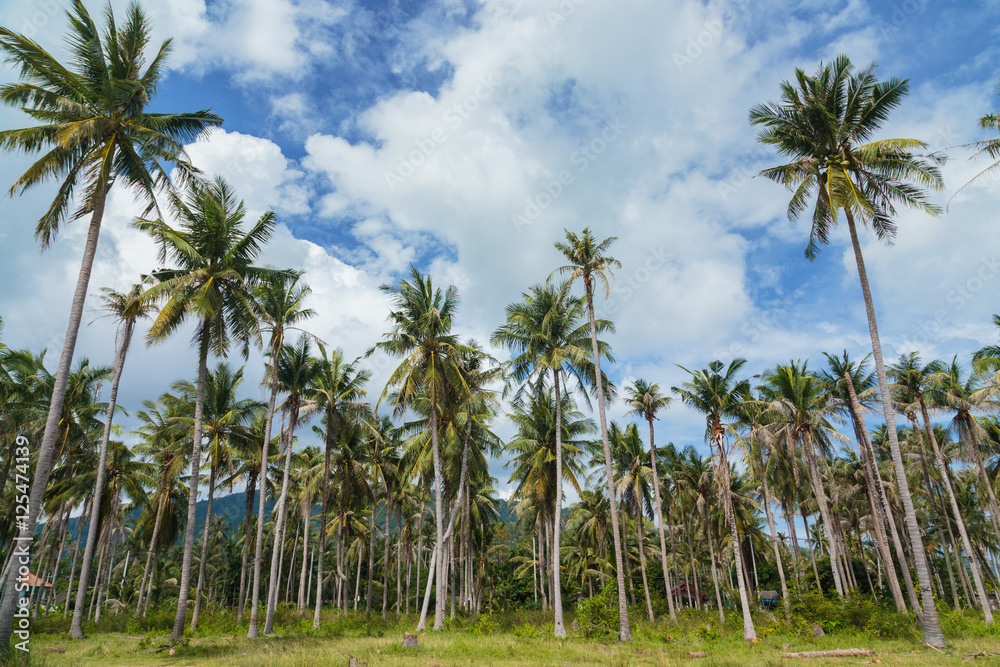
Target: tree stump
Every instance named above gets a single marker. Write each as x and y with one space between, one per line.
818 630
410 641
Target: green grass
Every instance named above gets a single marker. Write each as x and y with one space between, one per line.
511 638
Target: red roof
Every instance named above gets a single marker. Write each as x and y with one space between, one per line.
34 581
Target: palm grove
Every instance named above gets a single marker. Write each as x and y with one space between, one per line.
395 505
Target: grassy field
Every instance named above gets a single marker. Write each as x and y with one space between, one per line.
506 639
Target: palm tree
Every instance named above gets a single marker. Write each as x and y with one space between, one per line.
545 332
212 283
95 131
645 400
987 147
717 394
851 383
296 372
589 262
225 421
279 300
821 123
128 309
802 409
634 481
336 391
913 380
422 318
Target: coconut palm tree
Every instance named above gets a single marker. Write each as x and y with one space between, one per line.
912 382
825 124
336 392
421 334
590 263
226 420
94 131
646 400
717 393
852 385
211 284
280 305
988 147
297 370
545 332
635 477
128 308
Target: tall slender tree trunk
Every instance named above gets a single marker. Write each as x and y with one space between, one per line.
977 574
253 631
871 479
204 549
749 632
790 522
146 572
251 492
932 627
659 524
21 545
76 628
624 632
438 514
812 552
559 629
329 440
642 560
824 508
279 521
774 541
199 412
385 562
715 574
306 520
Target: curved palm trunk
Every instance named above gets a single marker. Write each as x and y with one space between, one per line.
659 523
253 631
640 533
439 546
824 509
204 550
559 628
279 522
977 574
385 563
715 573
305 560
199 411
749 633
871 473
322 522
932 626
76 629
147 572
774 541
251 492
21 543
624 632
431 571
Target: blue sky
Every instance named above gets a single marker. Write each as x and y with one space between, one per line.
437 133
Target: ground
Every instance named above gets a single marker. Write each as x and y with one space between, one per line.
488 641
